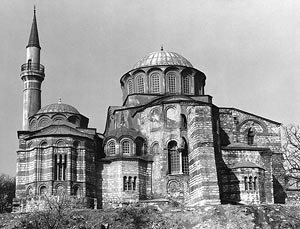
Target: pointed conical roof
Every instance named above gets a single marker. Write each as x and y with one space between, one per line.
34 36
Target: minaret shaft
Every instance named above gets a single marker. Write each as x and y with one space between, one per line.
32 74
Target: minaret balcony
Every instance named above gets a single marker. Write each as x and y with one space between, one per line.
33 67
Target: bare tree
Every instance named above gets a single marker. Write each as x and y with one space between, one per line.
291 156
7 192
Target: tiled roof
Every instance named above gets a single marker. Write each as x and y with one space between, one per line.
162 58
58 108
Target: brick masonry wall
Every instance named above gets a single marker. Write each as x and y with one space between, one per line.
203 172
234 125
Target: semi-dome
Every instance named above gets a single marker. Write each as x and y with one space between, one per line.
162 58
58 108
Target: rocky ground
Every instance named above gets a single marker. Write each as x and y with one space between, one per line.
221 216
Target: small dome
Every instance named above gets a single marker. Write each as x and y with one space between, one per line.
162 58
58 108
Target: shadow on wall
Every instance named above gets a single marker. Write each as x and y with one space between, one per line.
225 140
228 182
279 193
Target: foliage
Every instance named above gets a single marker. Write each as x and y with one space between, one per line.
7 192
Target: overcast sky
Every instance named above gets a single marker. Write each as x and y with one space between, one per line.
249 51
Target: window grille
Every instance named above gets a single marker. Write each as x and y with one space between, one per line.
130 86
140 84
174 158
172 83
155 83
125 147
185 163
186 85
111 147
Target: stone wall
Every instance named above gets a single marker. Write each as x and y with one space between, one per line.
203 172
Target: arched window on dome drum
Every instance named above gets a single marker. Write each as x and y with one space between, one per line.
126 147
140 86
130 86
174 158
111 148
155 82
171 80
186 84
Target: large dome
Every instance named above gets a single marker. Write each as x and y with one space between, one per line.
58 108
162 58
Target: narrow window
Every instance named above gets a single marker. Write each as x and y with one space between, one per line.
140 84
64 167
186 85
125 183
174 158
250 136
125 147
129 183
155 82
250 183
111 148
134 183
130 86
255 183
246 183
171 82
183 122
55 168
185 162
60 168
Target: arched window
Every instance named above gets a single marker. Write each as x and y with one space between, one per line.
155 82
125 147
174 158
255 183
134 183
155 149
186 84
130 86
43 190
185 158
60 166
77 191
250 183
140 86
111 147
250 136
125 184
129 183
171 80
246 183
183 122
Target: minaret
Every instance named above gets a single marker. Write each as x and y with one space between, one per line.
32 74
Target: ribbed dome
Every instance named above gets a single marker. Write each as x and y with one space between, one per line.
58 108
162 58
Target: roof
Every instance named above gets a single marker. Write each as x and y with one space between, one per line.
162 58
123 131
246 164
58 108
34 36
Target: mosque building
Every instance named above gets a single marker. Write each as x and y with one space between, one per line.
166 142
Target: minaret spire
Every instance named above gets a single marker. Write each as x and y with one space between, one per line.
32 75
34 35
